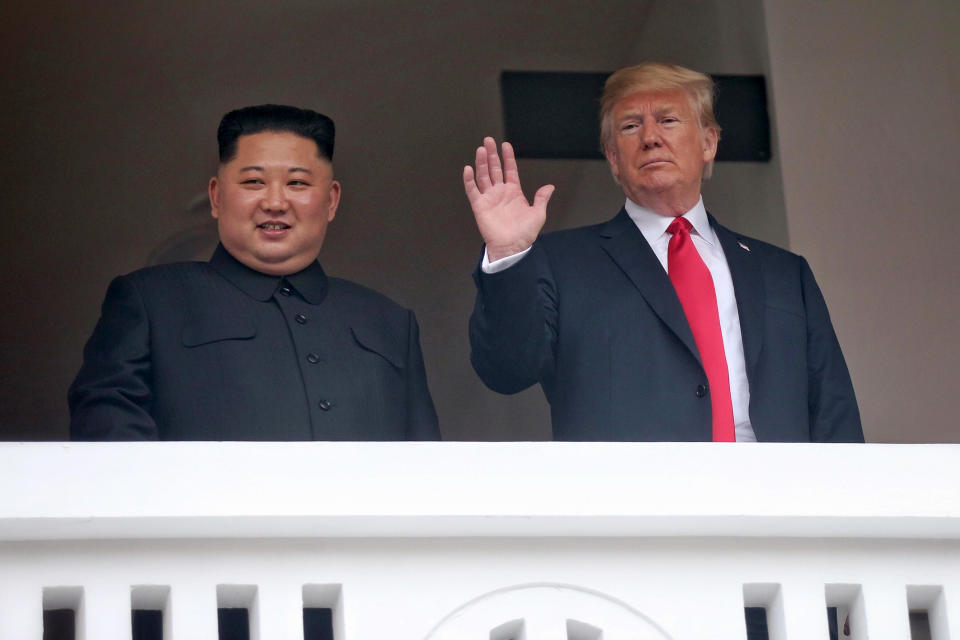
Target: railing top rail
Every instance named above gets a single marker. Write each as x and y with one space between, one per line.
326 489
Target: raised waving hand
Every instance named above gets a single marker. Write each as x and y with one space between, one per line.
508 223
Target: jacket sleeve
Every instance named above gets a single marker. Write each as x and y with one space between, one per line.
834 415
422 421
111 397
513 328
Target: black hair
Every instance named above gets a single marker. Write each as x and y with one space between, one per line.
275 117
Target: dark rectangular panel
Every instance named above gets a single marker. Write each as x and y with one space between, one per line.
147 624
555 115
756 619
741 108
59 624
317 623
233 624
552 115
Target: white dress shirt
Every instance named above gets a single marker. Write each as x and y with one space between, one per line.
653 226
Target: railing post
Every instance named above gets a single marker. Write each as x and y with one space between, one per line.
193 611
717 614
945 614
803 614
21 610
281 611
887 615
106 613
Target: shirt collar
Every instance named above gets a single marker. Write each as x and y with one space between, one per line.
653 225
311 283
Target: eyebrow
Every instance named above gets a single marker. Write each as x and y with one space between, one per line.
290 170
659 111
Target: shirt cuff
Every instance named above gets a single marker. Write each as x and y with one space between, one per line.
503 263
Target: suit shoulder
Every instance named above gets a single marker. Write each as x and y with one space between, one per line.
162 280
765 250
362 297
158 275
572 237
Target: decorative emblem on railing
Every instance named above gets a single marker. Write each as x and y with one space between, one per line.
546 611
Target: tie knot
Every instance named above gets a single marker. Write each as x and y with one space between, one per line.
679 224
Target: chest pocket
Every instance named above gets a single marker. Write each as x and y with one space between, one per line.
785 300
209 330
384 341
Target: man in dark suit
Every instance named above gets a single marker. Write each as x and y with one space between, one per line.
659 324
259 343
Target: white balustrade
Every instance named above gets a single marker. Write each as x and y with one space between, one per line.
481 541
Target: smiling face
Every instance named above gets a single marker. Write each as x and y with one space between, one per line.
657 150
273 201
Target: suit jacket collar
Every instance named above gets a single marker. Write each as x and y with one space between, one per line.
745 269
624 243
311 283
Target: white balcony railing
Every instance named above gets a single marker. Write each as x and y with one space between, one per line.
463 541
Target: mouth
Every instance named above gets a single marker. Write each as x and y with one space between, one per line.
653 162
273 226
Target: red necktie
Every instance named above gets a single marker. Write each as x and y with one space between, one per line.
694 285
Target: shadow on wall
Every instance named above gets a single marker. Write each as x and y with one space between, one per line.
196 241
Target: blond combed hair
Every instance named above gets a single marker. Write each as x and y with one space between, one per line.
659 76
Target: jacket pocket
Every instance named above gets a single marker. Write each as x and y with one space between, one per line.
785 307
387 342
206 331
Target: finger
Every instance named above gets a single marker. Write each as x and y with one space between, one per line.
511 173
483 172
542 196
469 186
493 160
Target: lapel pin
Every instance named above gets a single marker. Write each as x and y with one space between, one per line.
743 246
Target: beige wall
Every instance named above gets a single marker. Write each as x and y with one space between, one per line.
109 129
109 135
866 98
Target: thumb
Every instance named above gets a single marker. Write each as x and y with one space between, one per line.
542 196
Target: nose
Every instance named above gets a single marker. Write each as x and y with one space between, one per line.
274 198
650 135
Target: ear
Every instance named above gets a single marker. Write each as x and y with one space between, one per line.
334 200
710 140
213 191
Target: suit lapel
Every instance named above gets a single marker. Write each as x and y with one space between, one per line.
624 243
748 289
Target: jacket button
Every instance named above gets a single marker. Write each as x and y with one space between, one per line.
285 291
302 319
701 390
325 405
313 358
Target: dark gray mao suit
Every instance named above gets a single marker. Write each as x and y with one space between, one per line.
217 351
591 315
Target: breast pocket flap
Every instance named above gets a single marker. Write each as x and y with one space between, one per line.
383 342
205 331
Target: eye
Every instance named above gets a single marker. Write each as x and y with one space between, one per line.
298 183
628 127
252 181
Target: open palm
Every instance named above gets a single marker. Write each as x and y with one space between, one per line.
508 223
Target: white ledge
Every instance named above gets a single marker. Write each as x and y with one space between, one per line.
57 491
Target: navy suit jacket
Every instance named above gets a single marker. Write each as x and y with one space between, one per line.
218 351
591 315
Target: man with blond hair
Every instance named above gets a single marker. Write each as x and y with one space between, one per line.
659 324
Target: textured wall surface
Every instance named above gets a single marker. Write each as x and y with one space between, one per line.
109 132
